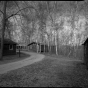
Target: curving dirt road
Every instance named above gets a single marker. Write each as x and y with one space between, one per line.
15 65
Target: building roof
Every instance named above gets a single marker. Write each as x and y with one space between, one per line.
36 43
8 41
86 41
32 43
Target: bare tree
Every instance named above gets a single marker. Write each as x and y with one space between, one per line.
5 19
3 27
52 16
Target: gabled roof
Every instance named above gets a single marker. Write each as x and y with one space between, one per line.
86 41
8 41
36 43
32 43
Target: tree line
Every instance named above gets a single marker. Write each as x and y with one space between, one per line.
49 22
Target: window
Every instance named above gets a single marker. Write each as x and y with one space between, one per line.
10 47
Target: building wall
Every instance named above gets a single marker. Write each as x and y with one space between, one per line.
7 51
86 54
33 47
21 47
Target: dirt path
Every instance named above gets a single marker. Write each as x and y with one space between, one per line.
15 65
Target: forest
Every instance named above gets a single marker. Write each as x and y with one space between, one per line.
61 24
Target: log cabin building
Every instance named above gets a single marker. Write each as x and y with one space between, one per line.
85 44
9 47
41 47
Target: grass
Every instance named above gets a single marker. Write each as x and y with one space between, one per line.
50 72
12 58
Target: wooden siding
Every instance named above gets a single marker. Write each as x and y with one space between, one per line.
7 51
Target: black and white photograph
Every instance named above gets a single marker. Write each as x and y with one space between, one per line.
44 43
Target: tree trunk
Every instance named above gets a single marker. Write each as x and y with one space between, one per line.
37 41
69 50
56 42
19 52
37 46
50 41
48 45
44 46
40 47
50 48
3 28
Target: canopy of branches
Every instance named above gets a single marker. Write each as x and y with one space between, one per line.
43 20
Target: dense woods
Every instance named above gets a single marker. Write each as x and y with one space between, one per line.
62 25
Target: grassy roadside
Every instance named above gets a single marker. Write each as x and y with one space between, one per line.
12 58
49 72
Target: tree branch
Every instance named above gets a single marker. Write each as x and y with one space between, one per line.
20 10
1 11
17 6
